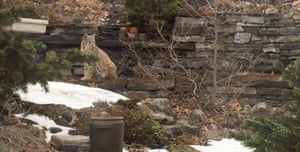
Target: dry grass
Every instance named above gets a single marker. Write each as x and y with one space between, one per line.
23 138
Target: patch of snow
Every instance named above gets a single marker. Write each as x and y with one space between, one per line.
224 145
44 122
71 95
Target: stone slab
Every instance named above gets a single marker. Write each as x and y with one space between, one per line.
192 38
69 139
253 19
242 38
70 142
149 85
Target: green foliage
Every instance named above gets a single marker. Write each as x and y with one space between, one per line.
150 11
9 16
75 55
3 147
281 133
19 64
140 128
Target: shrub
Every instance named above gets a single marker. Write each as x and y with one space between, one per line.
139 128
149 12
281 133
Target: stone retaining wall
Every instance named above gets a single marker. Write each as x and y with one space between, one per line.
246 46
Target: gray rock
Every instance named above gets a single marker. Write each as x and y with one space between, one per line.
163 118
253 19
149 85
203 46
70 143
180 129
212 133
242 38
271 49
161 103
200 114
172 130
271 10
55 129
260 107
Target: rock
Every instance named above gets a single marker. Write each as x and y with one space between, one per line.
161 103
149 85
200 114
172 130
203 46
212 132
158 116
189 26
140 95
271 10
179 129
213 127
253 19
120 83
55 130
242 38
194 63
187 128
271 49
296 5
163 118
145 109
246 109
261 107
289 38
70 143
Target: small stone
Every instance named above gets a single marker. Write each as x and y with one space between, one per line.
203 46
161 103
172 130
200 114
260 107
55 130
242 38
271 10
64 142
271 50
163 118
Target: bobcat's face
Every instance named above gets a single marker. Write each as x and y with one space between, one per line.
88 41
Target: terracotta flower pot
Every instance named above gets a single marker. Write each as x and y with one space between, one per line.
133 29
133 32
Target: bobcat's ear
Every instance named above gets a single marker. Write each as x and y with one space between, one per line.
84 35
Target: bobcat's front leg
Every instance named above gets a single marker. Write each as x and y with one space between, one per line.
88 72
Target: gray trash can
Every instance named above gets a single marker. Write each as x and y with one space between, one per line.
106 134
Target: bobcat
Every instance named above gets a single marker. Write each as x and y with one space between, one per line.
104 67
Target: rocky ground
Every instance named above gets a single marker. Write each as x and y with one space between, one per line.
95 12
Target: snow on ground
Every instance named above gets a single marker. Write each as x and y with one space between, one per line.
72 95
44 122
224 145
78 96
